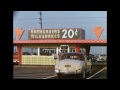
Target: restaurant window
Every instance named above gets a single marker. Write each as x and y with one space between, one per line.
29 51
82 50
72 49
34 51
47 51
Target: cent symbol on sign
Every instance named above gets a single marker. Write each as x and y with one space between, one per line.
98 31
19 32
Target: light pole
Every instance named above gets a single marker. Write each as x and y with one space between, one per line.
40 19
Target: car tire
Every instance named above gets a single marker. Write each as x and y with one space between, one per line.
84 74
90 70
91 67
59 75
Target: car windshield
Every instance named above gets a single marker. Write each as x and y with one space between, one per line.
70 56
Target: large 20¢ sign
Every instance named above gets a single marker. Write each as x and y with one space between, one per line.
56 33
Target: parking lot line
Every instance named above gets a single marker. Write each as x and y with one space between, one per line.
96 73
49 77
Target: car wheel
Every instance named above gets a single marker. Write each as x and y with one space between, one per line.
90 70
91 67
59 75
84 74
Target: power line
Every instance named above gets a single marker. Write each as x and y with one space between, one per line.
59 22
59 18
73 13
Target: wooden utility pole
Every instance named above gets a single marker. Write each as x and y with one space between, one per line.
40 19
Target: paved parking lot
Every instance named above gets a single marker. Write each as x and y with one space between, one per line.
43 72
101 75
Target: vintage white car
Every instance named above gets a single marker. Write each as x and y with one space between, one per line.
73 63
